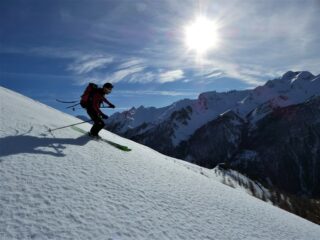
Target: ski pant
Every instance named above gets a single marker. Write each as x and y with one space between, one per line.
98 122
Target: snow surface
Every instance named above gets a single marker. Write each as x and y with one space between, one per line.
64 186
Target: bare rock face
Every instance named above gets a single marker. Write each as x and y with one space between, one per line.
215 142
282 150
286 147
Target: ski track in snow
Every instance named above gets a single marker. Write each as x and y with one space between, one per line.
63 186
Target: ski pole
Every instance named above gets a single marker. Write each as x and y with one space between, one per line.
51 130
80 108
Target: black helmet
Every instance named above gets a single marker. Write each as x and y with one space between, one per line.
108 85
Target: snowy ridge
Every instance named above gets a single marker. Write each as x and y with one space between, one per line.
232 179
237 180
137 116
63 186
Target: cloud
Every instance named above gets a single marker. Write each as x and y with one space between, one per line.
258 40
171 76
131 62
89 63
143 42
82 61
122 74
138 70
215 75
250 75
143 77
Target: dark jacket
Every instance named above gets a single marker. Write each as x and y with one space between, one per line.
96 100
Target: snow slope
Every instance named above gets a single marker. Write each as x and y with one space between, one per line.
64 186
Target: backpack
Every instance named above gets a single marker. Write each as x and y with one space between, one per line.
87 95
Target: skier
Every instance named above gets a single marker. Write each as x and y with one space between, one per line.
93 108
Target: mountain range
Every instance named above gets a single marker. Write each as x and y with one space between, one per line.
270 133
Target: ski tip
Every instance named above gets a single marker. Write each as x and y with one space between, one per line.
125 149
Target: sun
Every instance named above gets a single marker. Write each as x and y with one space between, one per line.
202 35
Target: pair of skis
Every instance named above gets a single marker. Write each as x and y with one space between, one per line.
116 145
76 103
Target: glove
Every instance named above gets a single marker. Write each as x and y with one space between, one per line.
103 116
111 105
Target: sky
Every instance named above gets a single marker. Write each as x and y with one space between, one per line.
52 49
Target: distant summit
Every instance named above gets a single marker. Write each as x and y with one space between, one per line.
298 75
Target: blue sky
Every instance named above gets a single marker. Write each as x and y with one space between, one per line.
52 49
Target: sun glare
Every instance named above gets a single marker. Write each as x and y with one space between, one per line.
201 35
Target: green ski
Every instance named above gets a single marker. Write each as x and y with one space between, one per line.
121 147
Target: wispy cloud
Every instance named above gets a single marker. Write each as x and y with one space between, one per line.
258 39
131 62
122 74
89 63
217 74
143 77
82 61
171 76
143 42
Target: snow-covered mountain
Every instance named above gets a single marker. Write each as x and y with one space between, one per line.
214 128
270 133
183 118
62 185
282 149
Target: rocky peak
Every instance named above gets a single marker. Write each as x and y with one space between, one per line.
289 75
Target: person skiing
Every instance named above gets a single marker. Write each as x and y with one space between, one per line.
93 108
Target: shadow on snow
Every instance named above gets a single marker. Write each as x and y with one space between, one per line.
18 144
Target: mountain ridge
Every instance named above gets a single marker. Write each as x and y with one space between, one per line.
291 88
